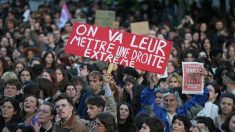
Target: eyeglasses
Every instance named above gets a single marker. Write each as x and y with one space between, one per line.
43 111
62 105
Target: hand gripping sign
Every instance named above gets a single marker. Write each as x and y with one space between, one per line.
114 46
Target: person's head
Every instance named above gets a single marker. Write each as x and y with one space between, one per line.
230 51
195 36
188 36
226 103
64 106
174 80
190 55
46 113
50 38
95 105
206 44
3 51
61 74
4 42
214 91
68 27
95 80
163 83
180 124
229 123
171 66
175 50
10 109
80 84
18 67
130 72
9 75
49 74
30 105
70 90
105 122
158 97
171 100
25 75
219 25
129 82
12 88
22 127
203 27
45 88
202 123
11 127
49 59
152 34
30 88
229 80
152 124
124 113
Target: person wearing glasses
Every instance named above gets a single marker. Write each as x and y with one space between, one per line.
68 120
171 103
46 114
105 122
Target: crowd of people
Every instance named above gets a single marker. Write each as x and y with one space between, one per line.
45 89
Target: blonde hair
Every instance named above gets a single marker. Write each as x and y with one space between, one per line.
177 76
9 76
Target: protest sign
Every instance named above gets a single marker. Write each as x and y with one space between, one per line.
164 75
114 46
193 81
140 28
105 18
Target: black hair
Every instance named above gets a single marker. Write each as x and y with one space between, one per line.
11 127
31 89
45 86
154 123
25 128
15 104
209 123
30 73
63 96
108 121
191 51
184 119
51 105
227 95
95 100
225 125
15 83
130 119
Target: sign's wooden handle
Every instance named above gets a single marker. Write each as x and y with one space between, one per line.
110 68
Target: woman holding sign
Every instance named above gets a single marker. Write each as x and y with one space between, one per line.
171 103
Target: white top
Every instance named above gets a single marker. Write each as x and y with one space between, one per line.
210 110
